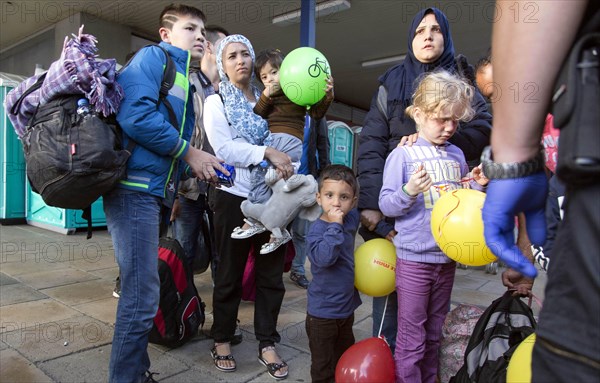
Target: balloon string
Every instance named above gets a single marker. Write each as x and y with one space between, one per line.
448 214
383 316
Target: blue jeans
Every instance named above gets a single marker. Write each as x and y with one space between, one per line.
189 231
133 223
299 230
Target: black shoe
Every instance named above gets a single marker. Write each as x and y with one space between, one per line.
117 290
237 335
149 377
300 280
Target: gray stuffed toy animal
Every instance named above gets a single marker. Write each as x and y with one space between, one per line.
294 196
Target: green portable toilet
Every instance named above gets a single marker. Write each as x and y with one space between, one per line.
356 130
341 143
12 168
65 221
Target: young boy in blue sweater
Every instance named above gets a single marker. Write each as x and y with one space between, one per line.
332 297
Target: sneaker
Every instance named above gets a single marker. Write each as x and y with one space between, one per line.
117 289
299 280
237 335
272 246
255 228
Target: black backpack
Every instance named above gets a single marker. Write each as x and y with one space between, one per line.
497 334
180 311
72 159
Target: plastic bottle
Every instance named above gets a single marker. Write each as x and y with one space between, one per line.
83 107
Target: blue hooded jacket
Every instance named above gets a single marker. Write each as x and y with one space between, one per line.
159 145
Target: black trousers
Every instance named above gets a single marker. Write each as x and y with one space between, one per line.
570 318
328 339
233 254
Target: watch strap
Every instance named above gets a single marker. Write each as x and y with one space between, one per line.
496 170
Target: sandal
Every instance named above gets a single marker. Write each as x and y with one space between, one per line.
219 358
272 368
255 228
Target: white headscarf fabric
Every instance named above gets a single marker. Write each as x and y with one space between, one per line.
238 110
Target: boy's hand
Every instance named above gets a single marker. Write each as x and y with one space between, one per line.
336 215
329 89
419 182
203 164
271 89
479 176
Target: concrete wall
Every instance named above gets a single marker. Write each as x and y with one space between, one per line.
114 41
22 59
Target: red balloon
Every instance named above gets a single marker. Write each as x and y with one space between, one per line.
369 360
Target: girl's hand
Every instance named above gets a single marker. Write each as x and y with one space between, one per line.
419 182
329 88
409 140
336 215
478 176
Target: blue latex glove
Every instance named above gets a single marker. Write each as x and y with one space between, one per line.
505 198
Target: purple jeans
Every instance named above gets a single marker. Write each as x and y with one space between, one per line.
424 291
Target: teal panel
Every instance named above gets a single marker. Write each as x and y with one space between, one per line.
38 211
341 143
12 168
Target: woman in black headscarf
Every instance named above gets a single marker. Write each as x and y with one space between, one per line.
430 48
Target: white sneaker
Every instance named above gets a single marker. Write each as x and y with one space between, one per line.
272 246
255 228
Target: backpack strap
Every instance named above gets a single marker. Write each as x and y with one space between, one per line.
167 82
37 85
223 101
87 215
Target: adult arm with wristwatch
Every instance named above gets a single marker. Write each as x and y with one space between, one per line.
515 162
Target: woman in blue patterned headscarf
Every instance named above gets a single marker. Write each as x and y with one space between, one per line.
238 136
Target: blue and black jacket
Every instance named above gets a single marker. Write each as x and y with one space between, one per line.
159 145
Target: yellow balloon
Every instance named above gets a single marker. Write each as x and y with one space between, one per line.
457 227
519 367
375 267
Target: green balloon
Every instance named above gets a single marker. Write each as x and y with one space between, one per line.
303 76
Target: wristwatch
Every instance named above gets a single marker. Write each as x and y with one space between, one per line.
495 170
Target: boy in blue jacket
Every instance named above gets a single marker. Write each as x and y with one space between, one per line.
133 208
332 297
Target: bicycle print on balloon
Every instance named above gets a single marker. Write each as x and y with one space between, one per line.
320 66
303 76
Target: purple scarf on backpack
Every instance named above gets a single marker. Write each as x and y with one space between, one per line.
78 70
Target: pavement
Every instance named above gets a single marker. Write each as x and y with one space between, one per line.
57 314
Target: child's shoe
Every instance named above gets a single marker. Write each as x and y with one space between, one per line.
241 233
278 241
